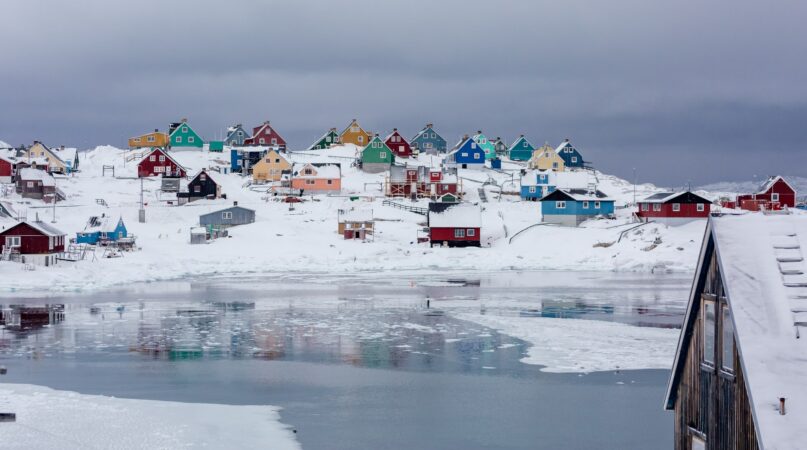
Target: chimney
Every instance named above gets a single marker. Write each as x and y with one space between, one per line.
782 406
156 130
394 130
235 203
566 140
478 131
184 120
37 142
333 129
266 122
61 147
428 125
465 137
521 135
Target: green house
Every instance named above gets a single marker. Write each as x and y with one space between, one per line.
327 139
483 142
216 146
182 135
377 156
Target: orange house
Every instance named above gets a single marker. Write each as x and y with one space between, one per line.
316 177
155 139
355 134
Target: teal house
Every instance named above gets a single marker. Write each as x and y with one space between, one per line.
102 229
486 146
377 156
521 150
326 140
182 135
571 207
428 141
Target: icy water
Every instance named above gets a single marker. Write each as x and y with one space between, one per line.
355 363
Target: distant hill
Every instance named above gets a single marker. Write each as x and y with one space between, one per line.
735 187
3 144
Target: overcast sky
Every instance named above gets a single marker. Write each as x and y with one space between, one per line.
686 91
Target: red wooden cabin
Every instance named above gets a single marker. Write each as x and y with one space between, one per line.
454 225
674 207
159 163
34 242
775 194
406 181
398 144
6 170
265 135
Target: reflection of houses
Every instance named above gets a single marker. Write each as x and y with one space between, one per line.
422 182
316 177
355 223
24 317
454 225
739 376
574 206
202 186
774 194
673 208
32 243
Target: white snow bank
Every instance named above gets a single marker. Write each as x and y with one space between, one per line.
48 418
576 345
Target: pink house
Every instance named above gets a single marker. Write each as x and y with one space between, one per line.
316 177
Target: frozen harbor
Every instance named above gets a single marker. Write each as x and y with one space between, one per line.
354 363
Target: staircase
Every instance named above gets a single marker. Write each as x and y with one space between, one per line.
413 209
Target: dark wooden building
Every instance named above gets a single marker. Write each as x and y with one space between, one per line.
201 186
739 380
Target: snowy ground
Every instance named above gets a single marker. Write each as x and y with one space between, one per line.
48 418
574 345
305 240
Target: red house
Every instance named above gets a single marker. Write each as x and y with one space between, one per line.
159 163
398 144
6 170
674 208
265 135
775 194
454 225
421 182
32 243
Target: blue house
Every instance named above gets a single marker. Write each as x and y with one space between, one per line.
521 150
246 157
571 157
467 154
428 141
536 184
101 229
574 206
236 135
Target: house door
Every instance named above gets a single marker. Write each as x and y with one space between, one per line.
357 235
465 166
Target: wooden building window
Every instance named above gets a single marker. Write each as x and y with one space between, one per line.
701 207
727 340
676 207
709 331
459 233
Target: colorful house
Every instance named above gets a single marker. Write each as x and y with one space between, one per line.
6 170
181 135
467 154
500 146
153 139
354 134
376 156
674 208
215 146
739 374
39 153
331 137
774 194
574 206
428 141
202 186
316 177
454 224
521 150
236 135
102 230
227 217
159 163
265 135
32 243
421 182
37 184
487 146
536 184
243 159
355 223
270 168
546 158
398 144
572 159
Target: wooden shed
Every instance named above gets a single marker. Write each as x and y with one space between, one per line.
228 217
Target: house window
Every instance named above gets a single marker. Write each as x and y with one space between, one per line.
464 155
532 189
459 233
585 205
476 155
554 165
178 139
158 169
596 205
327 139
574 159
13 241
184 129
470 232
676 207
309 182
644 207
382 155
262 140
277 160
202 177
361 138
152 158
274 141
197 189
727 340
137 139
656 206
190 139
709 331
701 207
775 197
30 184
227 215
330 181
560 205
162 158
150 139
473 145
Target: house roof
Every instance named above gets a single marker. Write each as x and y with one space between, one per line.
667 197
42 227
563 144
579 195
770 182
323 170
761 262
518 141
356 215
241 208
103 223
459 215
323 137
164 152
180 125
424 130
353 122
29 174
209 176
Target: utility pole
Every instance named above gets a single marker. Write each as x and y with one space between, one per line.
634 185
141 216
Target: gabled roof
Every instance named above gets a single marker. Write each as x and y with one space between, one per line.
164 152
209 176
562 145
49 150
179 127
771 181
103 223
578 195
352 122
669 197
42 227
760 258
227 209
428 127
394 132
29 174
332 130
323 170
518 142
355 215
456 215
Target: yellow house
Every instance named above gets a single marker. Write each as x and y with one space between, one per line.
155 139
545 158
41 153
354 134
270 167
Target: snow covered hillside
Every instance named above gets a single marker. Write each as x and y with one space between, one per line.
305 239
731 188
